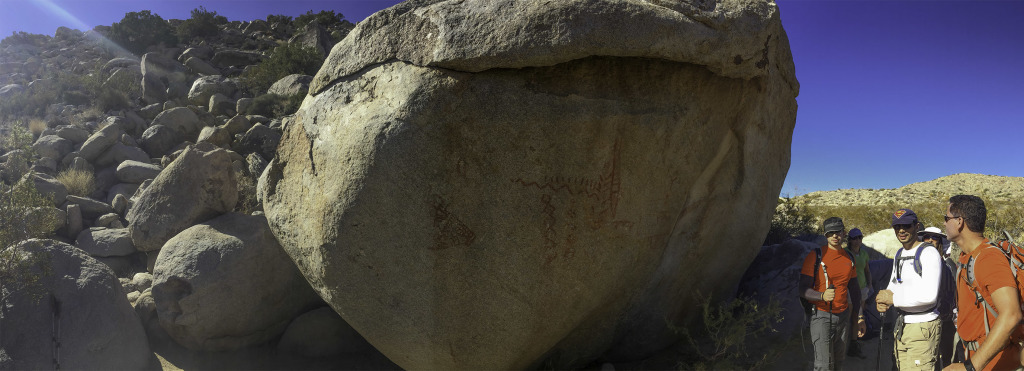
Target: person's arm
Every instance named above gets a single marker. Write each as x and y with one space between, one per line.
1007 304
812 295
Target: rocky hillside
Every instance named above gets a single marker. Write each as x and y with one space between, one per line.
470 184
991 187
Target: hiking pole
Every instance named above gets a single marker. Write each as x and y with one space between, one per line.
881 329
831 330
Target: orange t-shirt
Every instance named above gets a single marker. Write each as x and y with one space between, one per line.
991 272
840 271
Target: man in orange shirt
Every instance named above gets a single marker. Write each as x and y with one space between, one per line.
992 278
827 289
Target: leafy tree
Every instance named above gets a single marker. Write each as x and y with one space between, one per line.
286 59
202 24
278 18
327 18
24 38
139 30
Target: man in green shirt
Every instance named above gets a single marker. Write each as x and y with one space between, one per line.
860 262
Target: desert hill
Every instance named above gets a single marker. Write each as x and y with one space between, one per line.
992 188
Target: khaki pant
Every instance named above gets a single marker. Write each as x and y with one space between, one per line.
918 348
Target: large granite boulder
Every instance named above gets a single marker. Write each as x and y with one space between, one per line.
199 185
98 329
53 146
226 284
497 184
105 242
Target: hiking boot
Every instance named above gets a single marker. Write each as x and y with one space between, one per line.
854 350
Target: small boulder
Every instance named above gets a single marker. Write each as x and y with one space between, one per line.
132 171
75 134
52 146
226 284
46 185
321 333
237 125
105 242
201 67
118 153
217 136
91 209
159 139
295 84
192 189
181 119
101 140
205 87
259 139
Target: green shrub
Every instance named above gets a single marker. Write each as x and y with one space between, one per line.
139 30
326 18
203 23
726 335
278 18
790 220
273 105
286 59
24 38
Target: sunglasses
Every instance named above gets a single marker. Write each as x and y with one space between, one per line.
949 217
902 226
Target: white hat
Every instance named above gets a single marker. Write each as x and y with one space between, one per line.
932 230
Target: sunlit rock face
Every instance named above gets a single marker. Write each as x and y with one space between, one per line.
488 184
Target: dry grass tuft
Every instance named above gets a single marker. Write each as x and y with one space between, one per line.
78 182
36 126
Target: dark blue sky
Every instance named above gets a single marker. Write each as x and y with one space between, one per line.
892 92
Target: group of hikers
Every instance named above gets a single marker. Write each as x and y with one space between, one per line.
951 312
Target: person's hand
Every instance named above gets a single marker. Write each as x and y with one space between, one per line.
955 367
829 295
862 327
884 297
881 307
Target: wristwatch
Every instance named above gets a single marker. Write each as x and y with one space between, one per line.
968 365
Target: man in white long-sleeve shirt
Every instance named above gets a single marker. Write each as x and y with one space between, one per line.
915 297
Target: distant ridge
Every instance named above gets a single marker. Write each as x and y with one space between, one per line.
991 187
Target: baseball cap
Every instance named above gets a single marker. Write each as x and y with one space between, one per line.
833 224
854 233
904 216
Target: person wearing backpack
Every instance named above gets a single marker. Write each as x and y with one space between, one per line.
860 262
988 300
914 292
828 280
935 237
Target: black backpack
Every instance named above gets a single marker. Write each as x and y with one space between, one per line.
808 306
946 300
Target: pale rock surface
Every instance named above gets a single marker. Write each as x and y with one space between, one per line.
104 242
158 139
75 223
53 146
205 87
181 119
101 140
136 171
226 284
504 184
91 209
215 135
295 84
75 134
201 67
321 333
884 241
221 105
98 328
118 153
47 185
238 124
192 189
